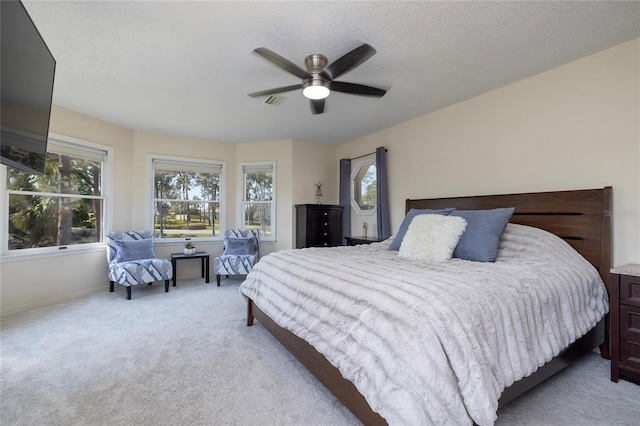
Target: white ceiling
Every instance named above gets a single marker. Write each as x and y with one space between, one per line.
186 67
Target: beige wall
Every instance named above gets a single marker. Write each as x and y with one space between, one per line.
313 163
24 284
574 127
570 128
35 282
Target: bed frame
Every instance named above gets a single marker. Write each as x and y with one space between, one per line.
582 218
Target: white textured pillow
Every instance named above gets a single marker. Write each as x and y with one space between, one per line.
432 237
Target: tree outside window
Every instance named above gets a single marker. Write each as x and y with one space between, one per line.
258 197
63 206
364 187
186 200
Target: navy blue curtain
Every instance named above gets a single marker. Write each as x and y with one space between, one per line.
345 198
382 195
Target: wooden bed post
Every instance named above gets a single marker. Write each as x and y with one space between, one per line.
605 259
249 312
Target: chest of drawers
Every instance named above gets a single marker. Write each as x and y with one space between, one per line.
318 225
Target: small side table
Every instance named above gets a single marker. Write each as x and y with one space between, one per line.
199 255
354 241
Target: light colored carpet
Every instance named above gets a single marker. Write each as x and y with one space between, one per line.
187 358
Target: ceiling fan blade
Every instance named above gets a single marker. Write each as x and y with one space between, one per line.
348 62
281 62
276 90
356 89
317 106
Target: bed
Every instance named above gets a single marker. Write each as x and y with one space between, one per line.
581 218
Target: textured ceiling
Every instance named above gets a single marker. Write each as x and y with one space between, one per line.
185 68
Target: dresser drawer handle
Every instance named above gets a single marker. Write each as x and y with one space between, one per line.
325 244
325 213
325 224
325 234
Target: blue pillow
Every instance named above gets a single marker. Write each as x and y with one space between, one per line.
239 246
481 239
128 250
397 240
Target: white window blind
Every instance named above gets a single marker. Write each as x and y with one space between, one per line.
74 150
195 167
257 168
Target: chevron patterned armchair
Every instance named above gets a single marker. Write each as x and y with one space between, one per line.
131 260
241 250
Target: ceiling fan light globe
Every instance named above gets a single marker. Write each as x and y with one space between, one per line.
316 92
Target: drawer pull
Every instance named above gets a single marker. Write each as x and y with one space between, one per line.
325 213
325 234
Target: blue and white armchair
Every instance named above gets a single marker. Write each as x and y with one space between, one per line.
132 261
241 250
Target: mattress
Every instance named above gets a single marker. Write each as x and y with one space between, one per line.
433 342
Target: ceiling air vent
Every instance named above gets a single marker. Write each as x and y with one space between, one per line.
273 100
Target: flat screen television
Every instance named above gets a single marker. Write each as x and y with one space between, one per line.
27 72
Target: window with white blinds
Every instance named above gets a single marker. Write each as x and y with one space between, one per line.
187 198
258 198
64 208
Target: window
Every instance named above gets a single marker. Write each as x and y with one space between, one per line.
258 206
62 208
363 187
187 198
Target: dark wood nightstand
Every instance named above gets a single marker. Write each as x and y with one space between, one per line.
625 323
354 241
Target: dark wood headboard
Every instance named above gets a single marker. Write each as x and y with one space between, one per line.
582 217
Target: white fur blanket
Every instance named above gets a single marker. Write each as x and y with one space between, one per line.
433 343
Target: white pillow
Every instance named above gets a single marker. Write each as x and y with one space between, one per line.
432 237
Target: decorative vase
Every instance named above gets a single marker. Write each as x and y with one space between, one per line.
189 252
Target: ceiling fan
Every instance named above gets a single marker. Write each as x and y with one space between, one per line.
318 80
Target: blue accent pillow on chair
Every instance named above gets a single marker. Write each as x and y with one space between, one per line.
481 239
239 246
397 240
128 250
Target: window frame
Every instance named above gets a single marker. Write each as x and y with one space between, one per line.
107 173
354 174
242 193
194 162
